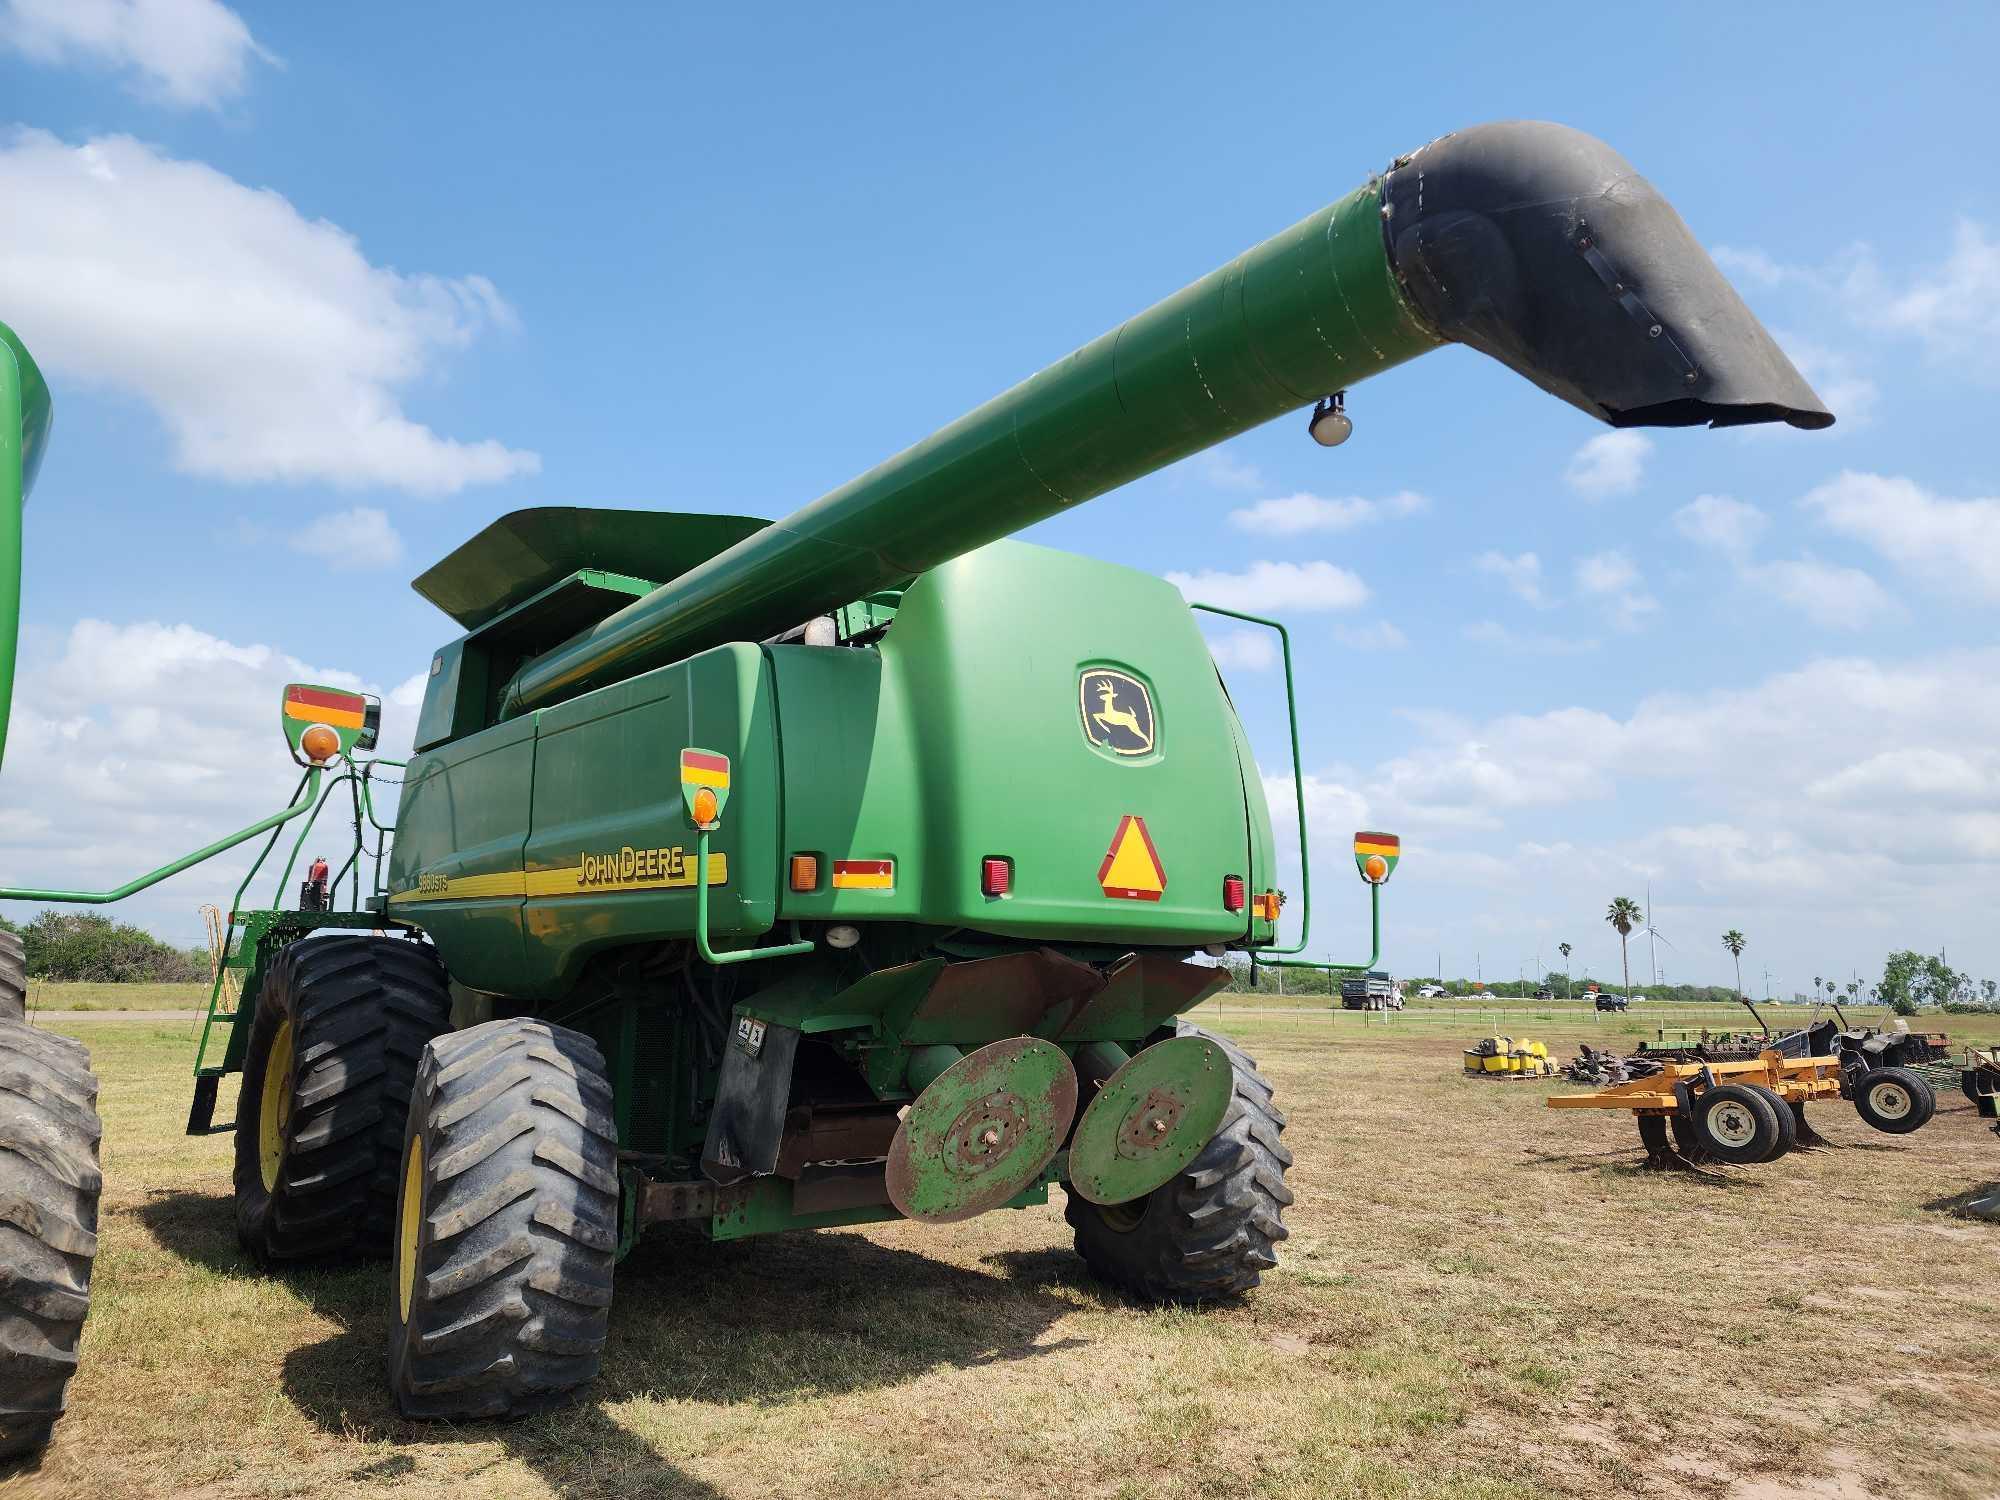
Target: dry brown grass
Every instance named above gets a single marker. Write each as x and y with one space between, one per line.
1481 1298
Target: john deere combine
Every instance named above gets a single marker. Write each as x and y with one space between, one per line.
858 865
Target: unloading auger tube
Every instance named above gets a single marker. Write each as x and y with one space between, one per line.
1532 242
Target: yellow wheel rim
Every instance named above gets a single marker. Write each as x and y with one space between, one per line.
409 1217
275 1108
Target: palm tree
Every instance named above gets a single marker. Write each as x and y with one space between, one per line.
1817 982
1624 916
1735 942
1569 984
1853 991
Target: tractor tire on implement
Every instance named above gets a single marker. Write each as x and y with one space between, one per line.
340 1024
1894 1100
1736 1124
1212 1231
507 1227
13 978
49 1186
1788 1123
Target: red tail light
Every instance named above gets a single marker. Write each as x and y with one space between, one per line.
996 875
1234 893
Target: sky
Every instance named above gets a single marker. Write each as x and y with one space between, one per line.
323 290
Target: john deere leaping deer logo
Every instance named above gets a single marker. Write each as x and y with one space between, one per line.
1117 712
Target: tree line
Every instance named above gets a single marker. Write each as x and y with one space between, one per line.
89 948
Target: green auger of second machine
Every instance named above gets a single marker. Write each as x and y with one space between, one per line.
864 864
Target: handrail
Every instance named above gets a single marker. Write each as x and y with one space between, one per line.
1298 776
310 787
736 955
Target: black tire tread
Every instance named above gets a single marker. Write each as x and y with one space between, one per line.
513 1296
49 1189
1213 1231
1788 1123
13 978
362 1008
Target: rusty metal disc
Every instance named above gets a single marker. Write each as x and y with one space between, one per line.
983 1131
1150 1119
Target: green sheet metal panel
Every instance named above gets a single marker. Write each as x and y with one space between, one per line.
968 739
607 781
455 868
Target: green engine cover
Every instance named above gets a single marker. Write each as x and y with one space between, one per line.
1054 714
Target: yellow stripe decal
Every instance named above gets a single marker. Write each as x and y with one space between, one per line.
307 713
698 776
864 882
603 873
1361 848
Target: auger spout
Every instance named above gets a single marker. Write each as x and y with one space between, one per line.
1532 242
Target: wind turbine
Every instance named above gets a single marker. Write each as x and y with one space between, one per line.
1652 932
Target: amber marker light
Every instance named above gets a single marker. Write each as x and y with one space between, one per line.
1378 868
707 811
319 744
805 871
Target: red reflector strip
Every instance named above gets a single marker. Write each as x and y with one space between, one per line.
1232 893
352 703
864 874
995 877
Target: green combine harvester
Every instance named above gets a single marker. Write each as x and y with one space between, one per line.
860 865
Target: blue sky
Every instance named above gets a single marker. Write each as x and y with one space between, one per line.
325 289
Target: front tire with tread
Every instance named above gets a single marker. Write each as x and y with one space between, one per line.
354 1012
501 1297
1914 1102
1213 1230
49 1188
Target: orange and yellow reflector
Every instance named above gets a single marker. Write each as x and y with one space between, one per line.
864 874
1265 907
1132 870
1375 855
704 787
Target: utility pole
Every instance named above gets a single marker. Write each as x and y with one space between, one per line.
1652 953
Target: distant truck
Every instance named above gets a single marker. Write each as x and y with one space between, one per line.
1374 990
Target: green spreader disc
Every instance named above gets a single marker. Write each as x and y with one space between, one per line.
983 1131
1150 1119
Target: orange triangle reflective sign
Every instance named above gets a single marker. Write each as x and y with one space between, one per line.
1132 870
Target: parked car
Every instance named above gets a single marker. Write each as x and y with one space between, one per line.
1432 992
1613 1002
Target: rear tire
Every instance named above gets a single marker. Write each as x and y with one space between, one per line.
49 1187
1212 1231
508 1224
13 978
340 1024
1894 1100
1736 1124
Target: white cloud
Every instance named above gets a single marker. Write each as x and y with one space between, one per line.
189 52
1227 472
1295 515
1251 650
1612 463
268 344
1377 636
1276 587
351 539
1721 524
1966 777
1848 394
1954 544
1614 578
1828 594
1750 266
1522 574
132 743
1953 308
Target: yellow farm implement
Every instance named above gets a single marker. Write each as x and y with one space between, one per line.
1739 1112
1508 1057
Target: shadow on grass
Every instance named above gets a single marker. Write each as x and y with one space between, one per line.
767 1322
1981 1202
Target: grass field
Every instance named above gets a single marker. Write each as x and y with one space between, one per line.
48 995
1481 1298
